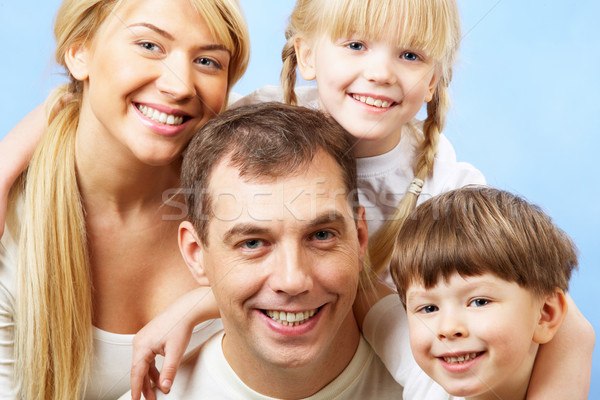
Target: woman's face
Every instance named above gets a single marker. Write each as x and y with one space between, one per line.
153 75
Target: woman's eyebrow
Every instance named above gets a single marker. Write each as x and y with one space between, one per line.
154 28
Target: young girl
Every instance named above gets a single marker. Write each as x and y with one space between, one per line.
375 64
87 240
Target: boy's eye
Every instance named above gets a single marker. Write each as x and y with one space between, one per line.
252 244
429 309
479 302
355 46
410 56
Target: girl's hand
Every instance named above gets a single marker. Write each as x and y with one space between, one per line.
168 335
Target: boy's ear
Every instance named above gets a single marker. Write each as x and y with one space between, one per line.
305 58
191 250
553 312
77 58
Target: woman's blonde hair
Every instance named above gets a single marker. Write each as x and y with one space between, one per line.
53 344
432 26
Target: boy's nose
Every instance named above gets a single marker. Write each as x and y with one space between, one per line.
451 326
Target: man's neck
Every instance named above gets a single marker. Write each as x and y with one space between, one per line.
287 382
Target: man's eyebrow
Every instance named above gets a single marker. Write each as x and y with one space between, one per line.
326 218
167 35
243 229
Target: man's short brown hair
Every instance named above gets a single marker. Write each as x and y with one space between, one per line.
267 140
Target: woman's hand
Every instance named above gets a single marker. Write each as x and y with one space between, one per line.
168 335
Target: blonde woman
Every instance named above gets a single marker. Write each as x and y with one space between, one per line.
89 254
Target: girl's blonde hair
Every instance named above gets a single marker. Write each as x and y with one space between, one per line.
53 344
432 26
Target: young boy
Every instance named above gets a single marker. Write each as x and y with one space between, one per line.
482 274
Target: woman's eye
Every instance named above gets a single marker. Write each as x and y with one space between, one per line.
252 244
355 46
207 62
149 46
479 302
429 309
409 56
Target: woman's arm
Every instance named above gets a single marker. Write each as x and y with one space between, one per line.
16 150
563 366
168 335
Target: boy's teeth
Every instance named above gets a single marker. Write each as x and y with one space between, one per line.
461 359
290 319
161 117
371 101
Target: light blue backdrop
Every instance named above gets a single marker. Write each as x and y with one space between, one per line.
525 99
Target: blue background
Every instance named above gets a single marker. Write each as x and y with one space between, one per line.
525 102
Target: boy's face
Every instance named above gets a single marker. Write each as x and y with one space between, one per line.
283 246
474 335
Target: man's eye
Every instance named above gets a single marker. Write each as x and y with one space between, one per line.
410 56
323 235
252 244
479 302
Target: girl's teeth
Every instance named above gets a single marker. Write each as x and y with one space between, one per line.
290 319
372 102
161 117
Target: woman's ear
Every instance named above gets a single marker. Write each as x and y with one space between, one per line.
553 312
305 58
191 250
76 59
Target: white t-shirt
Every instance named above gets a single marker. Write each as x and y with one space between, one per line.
209 376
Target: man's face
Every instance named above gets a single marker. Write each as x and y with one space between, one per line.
283 258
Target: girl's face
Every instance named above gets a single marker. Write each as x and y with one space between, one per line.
371 87
153 75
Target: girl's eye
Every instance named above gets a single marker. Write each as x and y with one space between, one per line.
479 302
355 46
207 62
409 56
252 244
429 309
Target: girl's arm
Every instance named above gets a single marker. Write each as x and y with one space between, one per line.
168 335
563 366
16 150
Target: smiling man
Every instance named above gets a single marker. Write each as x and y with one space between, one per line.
275 229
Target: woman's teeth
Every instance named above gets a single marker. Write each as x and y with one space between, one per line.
371 101
290 318
163 118
461 359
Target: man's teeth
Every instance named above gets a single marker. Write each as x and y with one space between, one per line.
290 318
161 117
461 359
371 101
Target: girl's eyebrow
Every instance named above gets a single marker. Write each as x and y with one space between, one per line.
154 28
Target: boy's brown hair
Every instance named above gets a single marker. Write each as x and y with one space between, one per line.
267 140
477 230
